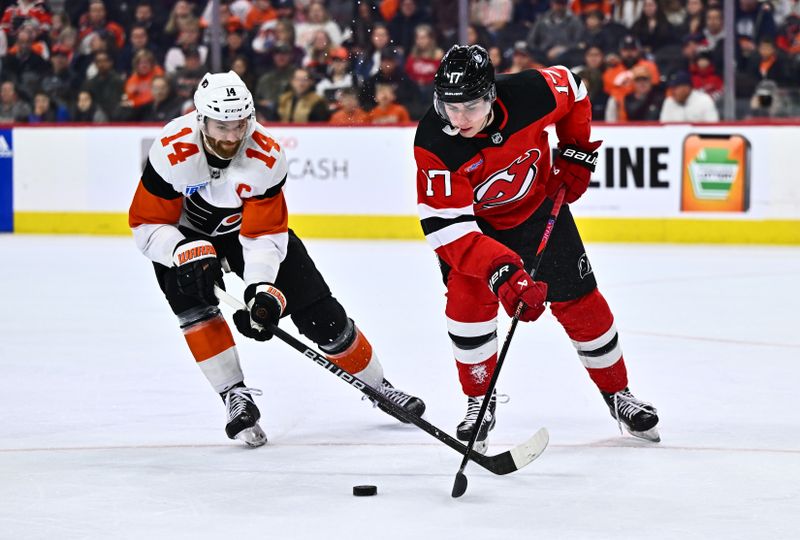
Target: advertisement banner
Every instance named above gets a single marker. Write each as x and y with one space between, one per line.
715 173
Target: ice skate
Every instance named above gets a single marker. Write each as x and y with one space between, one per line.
639 418
243 416
466 427
407 402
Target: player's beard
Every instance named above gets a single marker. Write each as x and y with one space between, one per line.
222 149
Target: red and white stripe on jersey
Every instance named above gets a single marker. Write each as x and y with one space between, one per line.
484 348
446 225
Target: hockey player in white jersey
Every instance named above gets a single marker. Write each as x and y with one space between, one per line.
211 197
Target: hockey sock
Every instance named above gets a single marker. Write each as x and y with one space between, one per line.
590 325
212 346
353 353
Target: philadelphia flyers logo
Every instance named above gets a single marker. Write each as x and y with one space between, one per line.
510 184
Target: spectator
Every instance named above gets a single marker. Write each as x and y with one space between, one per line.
86 110
695 20
618 77
714 37
652 28
187 77
788 38
272 33
189 37
402 27
181 16
390 72
23 65
45 111
241 66
556 33
642 104
769 62
338 77
22 11
498 59
766 101
522 58
62 83
602 33
273 83
138 40
684 104
349 113
107 86
318 55
317 19
144 17
592 75
365 16
754 21
138 88
260 12
705 76
423 60
387 111
495 15
12 108
478 35
165 106
301 104
625 12
235 46
95 21
369 62
445 19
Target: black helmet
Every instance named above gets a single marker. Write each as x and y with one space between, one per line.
465 74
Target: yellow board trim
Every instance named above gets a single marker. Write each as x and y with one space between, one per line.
667 230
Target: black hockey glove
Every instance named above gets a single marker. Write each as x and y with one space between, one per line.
265 305
197 269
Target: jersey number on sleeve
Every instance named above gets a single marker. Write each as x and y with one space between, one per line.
181 150
448 189
267 145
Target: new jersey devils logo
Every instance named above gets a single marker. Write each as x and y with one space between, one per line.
510 184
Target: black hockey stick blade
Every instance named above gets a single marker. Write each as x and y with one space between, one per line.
502 463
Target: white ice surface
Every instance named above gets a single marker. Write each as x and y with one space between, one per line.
108 430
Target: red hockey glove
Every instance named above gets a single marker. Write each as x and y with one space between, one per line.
513 285
197 269
265 305
573 168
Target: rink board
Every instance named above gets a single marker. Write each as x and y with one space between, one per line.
360 182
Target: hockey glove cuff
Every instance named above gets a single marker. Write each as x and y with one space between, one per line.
265 305
197 269
573 168
513 285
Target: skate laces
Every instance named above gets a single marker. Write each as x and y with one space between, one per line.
627 405
391 393
474 406
236 400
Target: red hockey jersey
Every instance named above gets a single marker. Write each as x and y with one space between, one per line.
498 175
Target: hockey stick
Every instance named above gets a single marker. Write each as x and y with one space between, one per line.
460 483
502 463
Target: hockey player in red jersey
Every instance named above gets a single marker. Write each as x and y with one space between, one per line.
485 185
211 197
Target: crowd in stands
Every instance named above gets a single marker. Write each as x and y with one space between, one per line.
351 62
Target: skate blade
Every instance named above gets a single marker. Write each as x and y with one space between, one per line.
651 435
252 436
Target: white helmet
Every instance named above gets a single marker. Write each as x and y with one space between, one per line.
223 96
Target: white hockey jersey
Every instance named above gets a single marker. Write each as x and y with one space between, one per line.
180 191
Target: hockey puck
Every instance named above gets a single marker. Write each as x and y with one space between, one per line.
365 491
